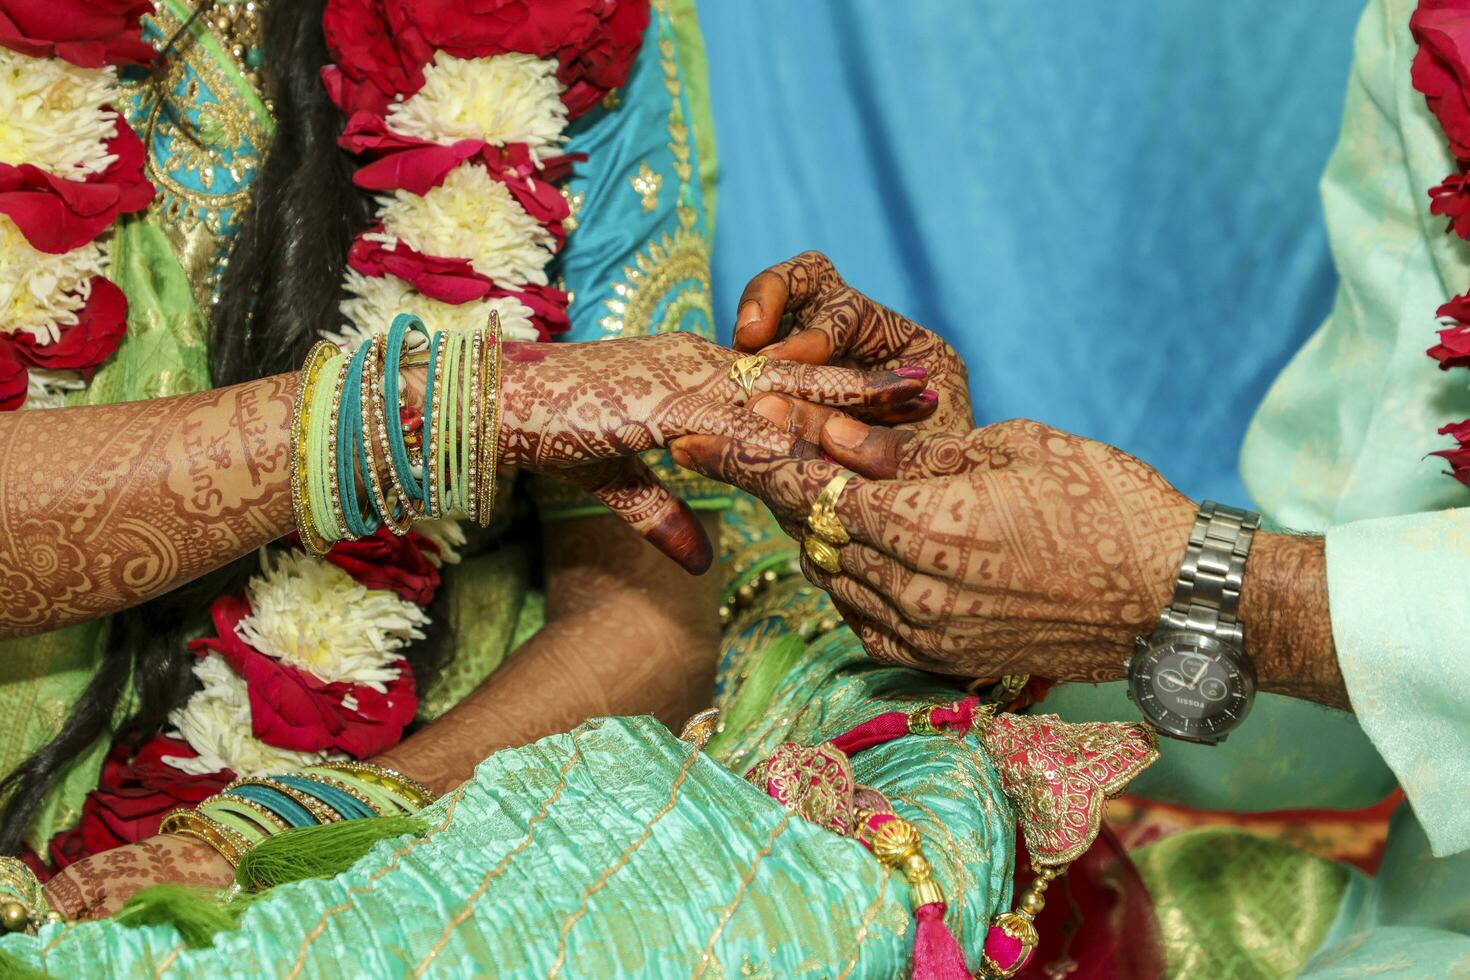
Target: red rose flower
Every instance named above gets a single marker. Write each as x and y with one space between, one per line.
133 795
87 33
1441 68
370 69
84 345
14 378
383 560
481 28
1459 457
601 62
59 215
1452 200
1453 349
292 709
447 280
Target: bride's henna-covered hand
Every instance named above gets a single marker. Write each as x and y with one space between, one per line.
1017 548
832 323
571 404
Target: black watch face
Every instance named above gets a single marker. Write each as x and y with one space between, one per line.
1192 686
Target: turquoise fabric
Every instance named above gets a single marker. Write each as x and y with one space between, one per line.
613 850
642 265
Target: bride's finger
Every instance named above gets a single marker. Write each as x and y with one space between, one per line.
628 488
838 387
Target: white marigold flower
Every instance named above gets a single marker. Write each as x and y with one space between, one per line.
472 216
447 534
48 389
41 292
52 115
314 616
374 301
508 98
215 721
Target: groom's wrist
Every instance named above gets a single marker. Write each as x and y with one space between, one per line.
1283 610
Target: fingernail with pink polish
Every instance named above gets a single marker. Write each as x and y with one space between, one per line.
829 457
913 373
928 396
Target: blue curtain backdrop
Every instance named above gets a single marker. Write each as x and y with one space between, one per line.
1109 208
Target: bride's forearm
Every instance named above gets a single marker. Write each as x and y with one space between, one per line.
627 632
104 507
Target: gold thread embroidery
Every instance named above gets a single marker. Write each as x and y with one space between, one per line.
463 914
745 880
616 866
867 922
646 183
168 960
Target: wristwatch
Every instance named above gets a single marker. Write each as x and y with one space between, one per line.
1191 677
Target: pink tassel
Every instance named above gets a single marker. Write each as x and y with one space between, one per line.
937 956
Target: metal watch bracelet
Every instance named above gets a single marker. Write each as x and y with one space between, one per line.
1207 592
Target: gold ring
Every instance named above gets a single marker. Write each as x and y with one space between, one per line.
744 372
822 552
822 518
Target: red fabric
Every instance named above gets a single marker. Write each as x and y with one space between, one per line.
88 33
292 709
937 955
133 795
1098 918
1440 72
57 215
875 731
84 345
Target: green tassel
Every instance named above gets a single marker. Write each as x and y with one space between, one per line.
13 969
199 914
754 696
318 852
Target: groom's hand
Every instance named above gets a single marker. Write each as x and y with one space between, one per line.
832 323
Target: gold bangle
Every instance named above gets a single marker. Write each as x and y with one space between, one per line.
189 823
414 792
311 538
490 415
475 368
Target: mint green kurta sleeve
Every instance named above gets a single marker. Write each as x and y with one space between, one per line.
1343 437
1400 600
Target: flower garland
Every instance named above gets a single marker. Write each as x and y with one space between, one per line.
458 111
1441 73
72 165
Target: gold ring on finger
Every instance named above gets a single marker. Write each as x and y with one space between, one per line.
823 553
745 370
822 518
